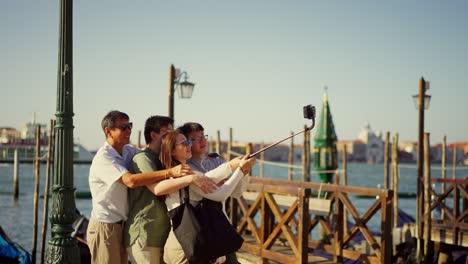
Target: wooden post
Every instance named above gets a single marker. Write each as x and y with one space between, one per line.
465 202
218 142
139 139
262 161
443 252
444 172
211 145
386 164
50 154
456 211
171 90
338 237
15 175
454 168
291 158
307 154
248 150
419 171
36 192
266 227
345 182
229 147
304 223
395 176
386 229
428 245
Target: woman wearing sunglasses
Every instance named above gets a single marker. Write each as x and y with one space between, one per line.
175 150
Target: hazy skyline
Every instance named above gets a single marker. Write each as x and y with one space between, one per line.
255 64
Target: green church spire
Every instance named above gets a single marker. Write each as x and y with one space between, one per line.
325 155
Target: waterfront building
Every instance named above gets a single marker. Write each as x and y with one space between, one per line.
24 141
355 150
374 144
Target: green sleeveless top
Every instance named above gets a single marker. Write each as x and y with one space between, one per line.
147 217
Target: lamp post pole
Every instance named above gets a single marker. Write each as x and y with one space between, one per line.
171 90
420 163
185 88
62 247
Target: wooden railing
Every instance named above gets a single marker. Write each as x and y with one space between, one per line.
454 219
279 214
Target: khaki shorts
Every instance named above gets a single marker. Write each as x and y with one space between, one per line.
105 242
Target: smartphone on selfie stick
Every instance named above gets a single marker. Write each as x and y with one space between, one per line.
309 113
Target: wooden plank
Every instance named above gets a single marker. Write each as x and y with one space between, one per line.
363 191
284 201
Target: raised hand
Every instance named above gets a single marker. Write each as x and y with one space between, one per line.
180 170
247 164
234 163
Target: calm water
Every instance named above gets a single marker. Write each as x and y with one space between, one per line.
16 218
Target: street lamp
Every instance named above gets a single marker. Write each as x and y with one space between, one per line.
62 246
421 102
184 88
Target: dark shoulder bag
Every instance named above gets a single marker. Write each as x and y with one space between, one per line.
203 231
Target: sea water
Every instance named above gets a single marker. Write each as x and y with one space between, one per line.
16 217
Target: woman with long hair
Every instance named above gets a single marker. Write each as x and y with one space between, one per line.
175 150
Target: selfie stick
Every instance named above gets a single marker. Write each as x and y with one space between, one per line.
309 113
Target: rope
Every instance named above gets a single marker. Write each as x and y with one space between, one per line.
407 166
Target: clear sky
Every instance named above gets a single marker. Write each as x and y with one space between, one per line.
255 64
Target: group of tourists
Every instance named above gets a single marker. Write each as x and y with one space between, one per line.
133 190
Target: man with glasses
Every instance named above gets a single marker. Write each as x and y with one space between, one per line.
108 182
204 162
148 225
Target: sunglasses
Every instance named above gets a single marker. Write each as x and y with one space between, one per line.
198 139
187 142
126 126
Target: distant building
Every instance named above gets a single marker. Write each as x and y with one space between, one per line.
355 150
369 147
8 134
461 152
374 144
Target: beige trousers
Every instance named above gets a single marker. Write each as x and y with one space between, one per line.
173 253
144 255
105 243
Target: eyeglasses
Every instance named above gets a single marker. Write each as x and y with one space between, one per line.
198 139
187 143
125 126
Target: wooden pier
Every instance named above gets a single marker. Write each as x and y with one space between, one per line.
277 218
286 223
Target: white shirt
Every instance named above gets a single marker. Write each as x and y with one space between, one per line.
109 197
221 194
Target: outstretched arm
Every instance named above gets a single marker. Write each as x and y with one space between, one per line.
203 183
224 191
141 179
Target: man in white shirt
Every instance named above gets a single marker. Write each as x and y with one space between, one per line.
108 182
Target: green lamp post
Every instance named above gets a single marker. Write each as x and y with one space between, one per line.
325 155
62 247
